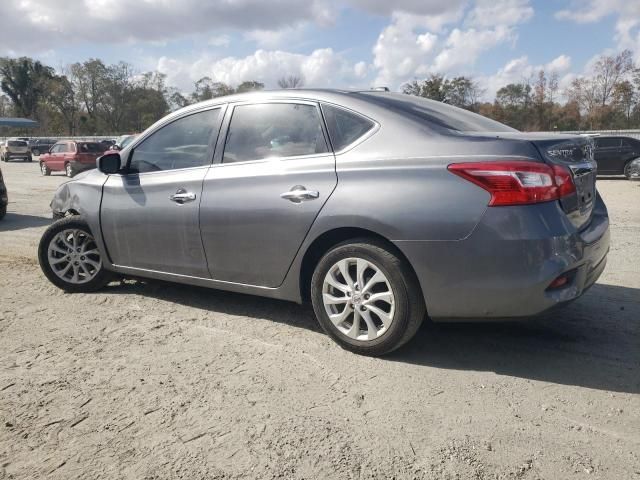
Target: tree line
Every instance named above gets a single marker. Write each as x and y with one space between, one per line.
94 98
608 98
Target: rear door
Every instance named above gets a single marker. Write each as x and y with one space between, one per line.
149 214
265 189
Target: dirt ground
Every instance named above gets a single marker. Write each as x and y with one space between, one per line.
153 380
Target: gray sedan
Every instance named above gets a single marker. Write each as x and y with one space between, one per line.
379 208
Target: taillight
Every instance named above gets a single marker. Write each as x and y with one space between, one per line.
517 182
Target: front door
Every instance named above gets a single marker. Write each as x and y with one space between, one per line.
260 200
149 213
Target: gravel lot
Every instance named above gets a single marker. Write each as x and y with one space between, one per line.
154 380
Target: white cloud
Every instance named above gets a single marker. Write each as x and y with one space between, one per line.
463 47
38 24
219 41
491 13
430 8
321 68
627 22
520 70
415 45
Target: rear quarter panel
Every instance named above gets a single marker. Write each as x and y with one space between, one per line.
397 184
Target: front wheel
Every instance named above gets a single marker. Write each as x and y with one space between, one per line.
46 171
3 211
366 297
632 170
70 258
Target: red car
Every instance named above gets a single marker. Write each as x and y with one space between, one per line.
71 157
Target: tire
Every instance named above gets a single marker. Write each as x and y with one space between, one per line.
35 152
30 159
46 171
632 169
57 242
404 309
3 211
68 170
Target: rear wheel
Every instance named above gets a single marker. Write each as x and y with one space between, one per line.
70 258
35 152
632 169
68 170
366 297
44 169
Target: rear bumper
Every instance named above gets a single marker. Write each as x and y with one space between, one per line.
11 155
504 267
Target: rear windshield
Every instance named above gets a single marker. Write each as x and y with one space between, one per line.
436 113
90 147
16 143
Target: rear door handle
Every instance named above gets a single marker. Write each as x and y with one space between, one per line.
182 196
299 194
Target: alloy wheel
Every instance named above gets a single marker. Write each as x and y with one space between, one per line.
68 170
74 256
358 299
43 168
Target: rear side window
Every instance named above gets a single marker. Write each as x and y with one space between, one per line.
607 142
183 143
344 127
274 130
90 148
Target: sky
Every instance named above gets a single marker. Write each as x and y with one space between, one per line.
329 43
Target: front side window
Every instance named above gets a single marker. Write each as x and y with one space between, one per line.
345 127
274 130
183 143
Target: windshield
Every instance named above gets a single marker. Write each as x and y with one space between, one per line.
16 143
90 148
127 141
436 113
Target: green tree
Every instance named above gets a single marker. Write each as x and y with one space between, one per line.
25 82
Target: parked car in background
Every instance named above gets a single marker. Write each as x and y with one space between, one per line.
107 143
618 156
377 207
38 146
71 157
4 199
122 141
15 149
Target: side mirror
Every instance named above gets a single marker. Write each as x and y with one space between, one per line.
109 163
114 147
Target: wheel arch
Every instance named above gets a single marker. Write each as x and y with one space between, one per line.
330 238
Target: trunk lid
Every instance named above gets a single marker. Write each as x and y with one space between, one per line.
576 153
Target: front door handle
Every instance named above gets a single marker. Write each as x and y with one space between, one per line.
299 194
182 196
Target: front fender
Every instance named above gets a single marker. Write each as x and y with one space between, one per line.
83 196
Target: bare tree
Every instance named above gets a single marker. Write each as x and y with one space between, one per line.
292 81
609 71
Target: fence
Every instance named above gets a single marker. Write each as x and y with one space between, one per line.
85 138
617 133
